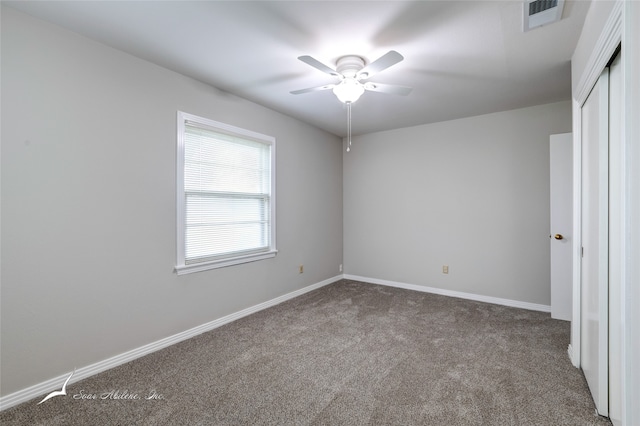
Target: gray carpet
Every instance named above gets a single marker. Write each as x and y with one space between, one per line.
347 354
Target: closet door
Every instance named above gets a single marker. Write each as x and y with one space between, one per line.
595 251
616 242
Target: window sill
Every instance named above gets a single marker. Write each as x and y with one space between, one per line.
204 266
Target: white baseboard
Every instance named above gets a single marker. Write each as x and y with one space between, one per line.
82 373
563 316
574 356
570 353
451 293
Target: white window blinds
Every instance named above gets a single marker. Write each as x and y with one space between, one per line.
227 192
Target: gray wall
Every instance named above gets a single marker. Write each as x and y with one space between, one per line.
88 204
470 193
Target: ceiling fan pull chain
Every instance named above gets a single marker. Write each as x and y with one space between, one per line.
349 126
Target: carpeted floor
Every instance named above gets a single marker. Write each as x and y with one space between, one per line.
347 354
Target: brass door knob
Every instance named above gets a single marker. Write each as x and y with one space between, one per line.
558 237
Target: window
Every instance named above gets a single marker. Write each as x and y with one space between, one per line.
225 195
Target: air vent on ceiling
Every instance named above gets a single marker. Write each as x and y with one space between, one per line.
541 12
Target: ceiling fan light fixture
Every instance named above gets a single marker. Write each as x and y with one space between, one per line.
352 70
349 90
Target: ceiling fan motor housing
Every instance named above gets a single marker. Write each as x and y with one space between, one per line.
349 66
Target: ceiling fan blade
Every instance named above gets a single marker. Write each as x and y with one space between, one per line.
382 63
391 89
313 89
318 65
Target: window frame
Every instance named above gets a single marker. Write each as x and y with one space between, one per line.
182 267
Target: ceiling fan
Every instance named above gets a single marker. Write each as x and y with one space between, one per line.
352 72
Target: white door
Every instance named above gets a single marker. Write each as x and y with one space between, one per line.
616 300
594 234
561 220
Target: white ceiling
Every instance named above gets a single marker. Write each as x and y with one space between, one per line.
462 58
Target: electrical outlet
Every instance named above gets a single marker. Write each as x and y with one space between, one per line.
445 269
301 269
340 268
